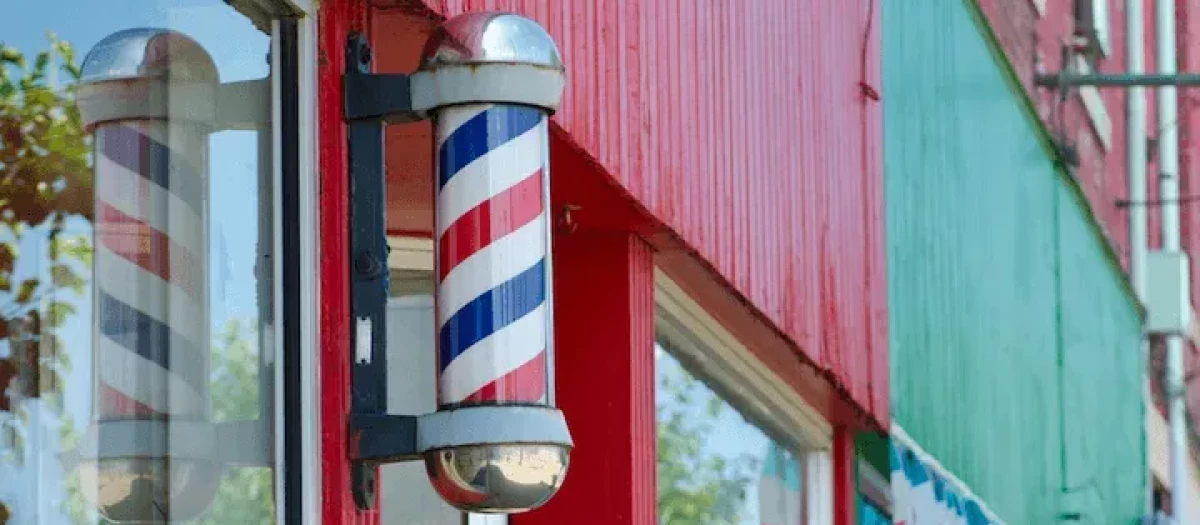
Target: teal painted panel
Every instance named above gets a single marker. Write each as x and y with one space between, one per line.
1015 354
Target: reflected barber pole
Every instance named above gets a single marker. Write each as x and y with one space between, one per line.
151 316
492 262
150 303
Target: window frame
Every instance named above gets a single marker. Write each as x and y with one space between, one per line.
712 354
309 398
294 144
295 420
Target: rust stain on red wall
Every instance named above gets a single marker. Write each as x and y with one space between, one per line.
743 127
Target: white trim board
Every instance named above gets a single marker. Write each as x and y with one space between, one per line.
310 288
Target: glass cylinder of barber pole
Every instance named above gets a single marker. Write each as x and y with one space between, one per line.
494 319
139 96
494 295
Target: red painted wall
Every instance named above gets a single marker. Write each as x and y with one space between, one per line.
604 342
743 133
336 20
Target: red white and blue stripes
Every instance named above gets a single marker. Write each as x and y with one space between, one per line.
492 259
151 312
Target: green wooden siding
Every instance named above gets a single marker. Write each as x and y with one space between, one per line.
1015 343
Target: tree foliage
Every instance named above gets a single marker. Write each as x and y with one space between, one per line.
695 486
45 181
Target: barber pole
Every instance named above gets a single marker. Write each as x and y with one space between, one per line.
493 255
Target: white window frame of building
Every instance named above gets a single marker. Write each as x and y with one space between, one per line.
305 148
717 357
310 300
308 495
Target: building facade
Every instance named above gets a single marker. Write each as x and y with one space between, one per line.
794 279
1092 123
182 181
1009 310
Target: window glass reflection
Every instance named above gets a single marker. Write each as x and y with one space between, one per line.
871 514
136 270
713 465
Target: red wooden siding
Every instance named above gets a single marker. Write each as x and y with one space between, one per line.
337 19
743 129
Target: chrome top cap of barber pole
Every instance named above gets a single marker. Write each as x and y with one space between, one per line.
148 53
485 38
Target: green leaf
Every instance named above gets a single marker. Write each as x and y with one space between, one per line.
58 312
25 293
62 275
10 55
8 256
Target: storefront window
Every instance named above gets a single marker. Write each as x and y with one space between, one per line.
138 261
714 466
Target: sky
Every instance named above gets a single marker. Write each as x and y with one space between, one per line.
240 53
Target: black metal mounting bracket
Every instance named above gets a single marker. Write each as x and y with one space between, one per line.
374 96
375 437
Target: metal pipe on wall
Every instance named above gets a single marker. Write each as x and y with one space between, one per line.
1168 162
1135 107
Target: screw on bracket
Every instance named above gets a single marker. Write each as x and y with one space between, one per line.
359 53
567 224
367 265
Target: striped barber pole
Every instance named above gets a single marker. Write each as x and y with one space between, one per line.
151 288
493 256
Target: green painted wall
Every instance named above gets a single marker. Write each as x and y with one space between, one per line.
1015 344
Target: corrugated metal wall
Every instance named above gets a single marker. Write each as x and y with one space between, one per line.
742 126
1014 347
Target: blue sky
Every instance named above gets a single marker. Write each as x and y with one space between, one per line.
240 52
